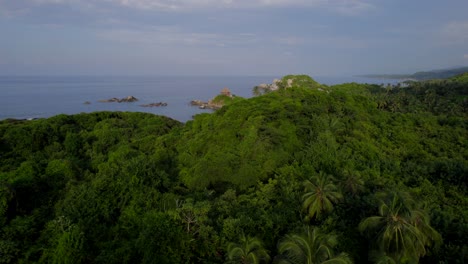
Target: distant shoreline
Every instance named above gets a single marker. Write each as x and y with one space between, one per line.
420 76
388 77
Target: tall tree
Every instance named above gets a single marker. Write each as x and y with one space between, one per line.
402 230
321 194
257 91
250 250
310 247
353 183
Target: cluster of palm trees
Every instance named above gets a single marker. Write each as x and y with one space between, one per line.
401 230
309 247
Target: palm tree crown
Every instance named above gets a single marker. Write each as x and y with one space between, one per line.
249 250
320 195
402 231
310 247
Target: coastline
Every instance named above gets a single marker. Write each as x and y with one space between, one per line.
46 96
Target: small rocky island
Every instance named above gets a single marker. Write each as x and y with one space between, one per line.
128 99
215 103
154 104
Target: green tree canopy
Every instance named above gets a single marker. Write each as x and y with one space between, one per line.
310 247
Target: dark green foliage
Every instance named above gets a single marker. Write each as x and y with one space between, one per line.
402 230
162 240
320 195
448 98
439 74
424 75
70 169
310 246
461 77
249 250
132 187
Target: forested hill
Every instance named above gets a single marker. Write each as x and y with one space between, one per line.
424 75
305 174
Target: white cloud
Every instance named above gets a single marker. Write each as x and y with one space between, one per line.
290 40
175 37
351 7
49 1
9 9
346 7
320 41
341 6
456 32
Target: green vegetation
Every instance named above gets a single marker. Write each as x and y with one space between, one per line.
250 250
311 247
423 75
460 77
303 174
299 81
287 81
402 231
320 195
222 99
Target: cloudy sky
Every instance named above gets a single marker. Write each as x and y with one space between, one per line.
231 37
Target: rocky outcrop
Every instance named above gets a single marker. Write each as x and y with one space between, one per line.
128 99
287 81
275 85
154 104
217 102
226 92
204 105
197 103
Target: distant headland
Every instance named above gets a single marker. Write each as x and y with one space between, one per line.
422 75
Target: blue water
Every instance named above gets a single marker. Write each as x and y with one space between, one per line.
44 96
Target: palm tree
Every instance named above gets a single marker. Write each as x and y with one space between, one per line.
379 257
7 193
320 195
353 182
310 247
402 231
257 91
249 250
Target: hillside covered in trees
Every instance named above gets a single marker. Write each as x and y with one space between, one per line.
424 75
308 173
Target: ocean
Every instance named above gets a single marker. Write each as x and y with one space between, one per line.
24 97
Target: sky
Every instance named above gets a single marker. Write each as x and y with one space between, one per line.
231 37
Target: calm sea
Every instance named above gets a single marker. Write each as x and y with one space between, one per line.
24 97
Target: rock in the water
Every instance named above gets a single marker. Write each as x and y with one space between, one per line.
154 104
196 102
112 100
128 99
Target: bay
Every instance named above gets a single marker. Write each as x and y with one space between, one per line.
23 97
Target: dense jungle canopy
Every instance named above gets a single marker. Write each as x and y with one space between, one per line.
352 173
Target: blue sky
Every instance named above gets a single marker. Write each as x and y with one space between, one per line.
231 37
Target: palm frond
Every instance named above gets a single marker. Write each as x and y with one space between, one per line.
311 246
